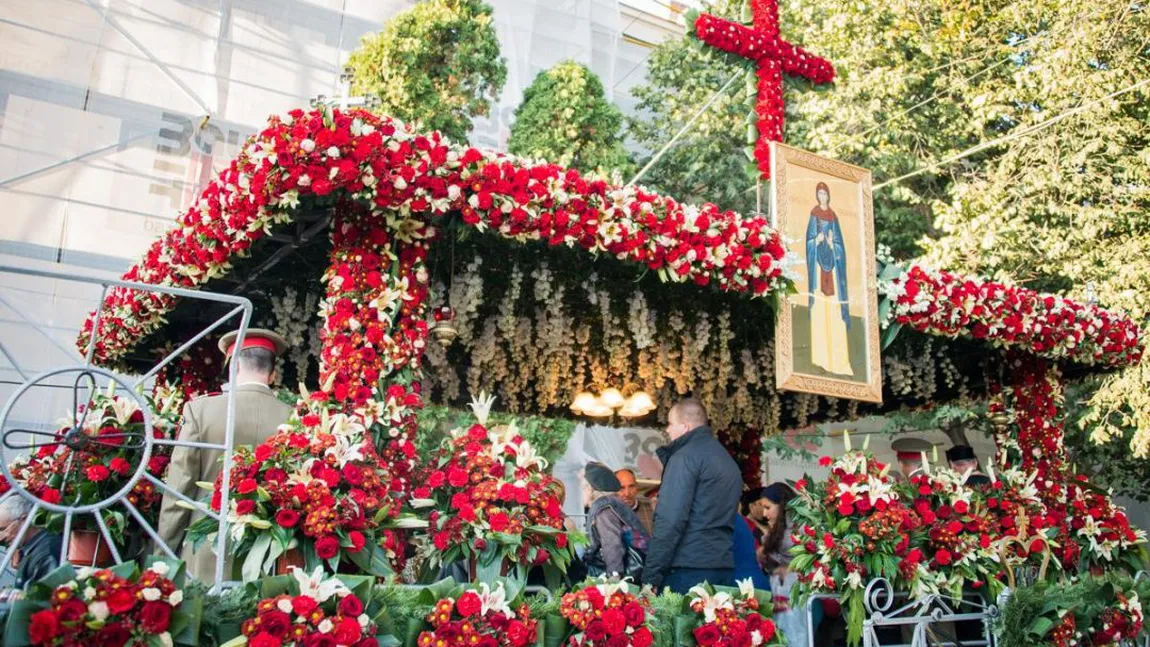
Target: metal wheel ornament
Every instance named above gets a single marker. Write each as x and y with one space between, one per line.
74 439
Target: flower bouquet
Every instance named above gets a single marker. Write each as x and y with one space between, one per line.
92 457
607 614
107 607
956 535
1090 612
318 486
492 504
312 610
732 617
1094 533
851 528
467 617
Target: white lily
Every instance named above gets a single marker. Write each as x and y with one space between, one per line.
481 406
746 588
316 587
302 474
123 409
711 603
526 457
342 424
493 600
346 449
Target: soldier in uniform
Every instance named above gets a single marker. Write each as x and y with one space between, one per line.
909 452
258 413
962 458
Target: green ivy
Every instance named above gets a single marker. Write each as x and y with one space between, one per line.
548 436
566 120
437 63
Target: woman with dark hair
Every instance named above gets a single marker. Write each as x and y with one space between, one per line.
745 546
775 558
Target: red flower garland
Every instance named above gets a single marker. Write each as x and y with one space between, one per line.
1045 325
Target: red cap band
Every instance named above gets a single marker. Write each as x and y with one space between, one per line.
254 342
910 456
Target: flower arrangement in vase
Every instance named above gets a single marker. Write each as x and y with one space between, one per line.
110 607
733 618
490 503
316 486
607 614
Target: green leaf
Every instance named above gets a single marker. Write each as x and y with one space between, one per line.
372 559
1040 627
253 563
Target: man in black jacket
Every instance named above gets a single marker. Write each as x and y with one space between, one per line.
698 501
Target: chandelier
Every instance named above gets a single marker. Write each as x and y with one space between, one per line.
611 401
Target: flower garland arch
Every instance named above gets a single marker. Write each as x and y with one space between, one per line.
390 189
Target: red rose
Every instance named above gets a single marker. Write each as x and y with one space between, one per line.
347 631
634 614
326 547
437 479
43 627
498 521
50 495
97 473
264 639
264 452
642 637
357 540
71 610
825 461
468 604
113 635
943 557
247 486
595 631
350 605
441 540
287 518
519 634
121 601
707 635
961 507
276 623
614 621
457 477
156 616
768 630
622 640
120 466
245 506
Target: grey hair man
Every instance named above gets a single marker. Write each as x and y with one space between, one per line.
38 553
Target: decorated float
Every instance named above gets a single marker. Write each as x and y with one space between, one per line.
422 271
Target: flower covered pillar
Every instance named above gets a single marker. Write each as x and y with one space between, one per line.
375 329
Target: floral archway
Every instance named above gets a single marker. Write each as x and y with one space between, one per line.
389 191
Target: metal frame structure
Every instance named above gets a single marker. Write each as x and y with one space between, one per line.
242 308
918 615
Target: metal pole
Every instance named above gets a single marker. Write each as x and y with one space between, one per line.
229 441
685 127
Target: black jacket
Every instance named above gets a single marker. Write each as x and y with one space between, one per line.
698 501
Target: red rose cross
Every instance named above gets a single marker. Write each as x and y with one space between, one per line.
773 56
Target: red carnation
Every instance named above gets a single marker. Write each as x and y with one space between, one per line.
97 473
499 521
327 547
287 517
247 486
642 637
634 614
825 461
518 634
113 635
303 605
120 466
347 631
943 557
43 627
437 479
357 540
595 631
245 506
457 477
264 639
707 635
468 604
156 616
614 621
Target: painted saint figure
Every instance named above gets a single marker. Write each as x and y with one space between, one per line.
827 281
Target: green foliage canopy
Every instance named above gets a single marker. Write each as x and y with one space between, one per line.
437 63
566 120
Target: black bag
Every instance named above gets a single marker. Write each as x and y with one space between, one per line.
633 559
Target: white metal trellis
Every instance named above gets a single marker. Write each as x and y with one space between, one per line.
74 438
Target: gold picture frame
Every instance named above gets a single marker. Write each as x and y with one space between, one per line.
825 344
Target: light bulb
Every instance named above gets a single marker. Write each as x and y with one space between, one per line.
584 401
612 398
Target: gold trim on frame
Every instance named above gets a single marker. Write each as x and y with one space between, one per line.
782 158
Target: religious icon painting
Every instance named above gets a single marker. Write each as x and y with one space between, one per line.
827 333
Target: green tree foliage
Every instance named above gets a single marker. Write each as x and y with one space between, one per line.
566 120
924 81
437 63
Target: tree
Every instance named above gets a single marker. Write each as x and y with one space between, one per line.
437 63
1066 205
566 120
